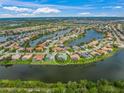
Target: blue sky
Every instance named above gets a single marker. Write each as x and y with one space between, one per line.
61 8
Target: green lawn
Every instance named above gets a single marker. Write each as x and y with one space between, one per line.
69 61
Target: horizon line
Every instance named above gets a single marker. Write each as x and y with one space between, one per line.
63 17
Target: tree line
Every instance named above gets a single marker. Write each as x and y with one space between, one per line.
82 86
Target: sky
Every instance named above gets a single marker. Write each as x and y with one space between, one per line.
61 8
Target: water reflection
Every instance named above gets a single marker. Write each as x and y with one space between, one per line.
53 36
92 34
2 39
111 68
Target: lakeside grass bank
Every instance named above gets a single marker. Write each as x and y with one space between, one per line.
68 62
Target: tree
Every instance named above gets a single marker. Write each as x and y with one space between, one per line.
93 90
69 90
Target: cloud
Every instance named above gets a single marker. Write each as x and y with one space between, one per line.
88 14
85 13
16 15
101 14
118 7
25 15
42 1
23 8
6 15
37 5
46 10
113 7
17 9
0 5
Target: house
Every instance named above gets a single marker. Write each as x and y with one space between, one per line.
82 47
109 35
49 57
21 49
61 46
15 45
76 48
27 56
108 49
61 57
7 56
85 55
93 43
105 52
108 46
94 53
57 49
38 57
39 48
42 45
16 57
1 58
29 49
75 57
101 51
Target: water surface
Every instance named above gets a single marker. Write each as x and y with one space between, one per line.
111 68
52 36
90 34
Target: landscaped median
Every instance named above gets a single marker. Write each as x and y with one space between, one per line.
82 86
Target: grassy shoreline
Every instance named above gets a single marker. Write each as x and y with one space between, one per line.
69 62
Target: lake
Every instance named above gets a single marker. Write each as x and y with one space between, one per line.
111 68
52 36
2 39
89 35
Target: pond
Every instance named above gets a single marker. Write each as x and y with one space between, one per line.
50 36
111 68
2 39
90 34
